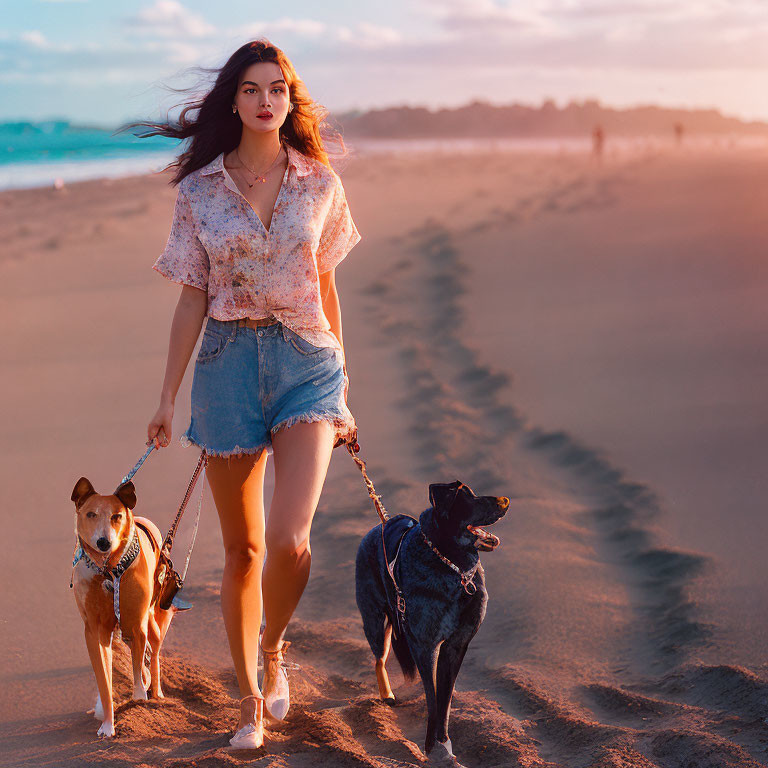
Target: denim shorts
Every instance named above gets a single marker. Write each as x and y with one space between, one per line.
250 382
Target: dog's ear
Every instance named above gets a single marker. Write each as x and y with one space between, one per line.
442 495
82 490
127 494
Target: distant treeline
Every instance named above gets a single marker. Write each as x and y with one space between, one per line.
480 119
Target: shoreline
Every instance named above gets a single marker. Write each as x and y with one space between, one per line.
55 175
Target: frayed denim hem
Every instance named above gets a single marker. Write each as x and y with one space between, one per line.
186 441
342 425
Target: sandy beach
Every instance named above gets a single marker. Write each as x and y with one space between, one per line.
587 339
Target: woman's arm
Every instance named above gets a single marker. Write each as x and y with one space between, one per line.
332 309
185 329
330 299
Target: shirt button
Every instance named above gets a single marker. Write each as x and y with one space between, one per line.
261 333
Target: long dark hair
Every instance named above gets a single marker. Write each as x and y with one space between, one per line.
217 129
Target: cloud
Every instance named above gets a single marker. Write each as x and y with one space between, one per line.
488 16
653 9
166 36
305 28
565 38
605 9
363 35
368 35
169 18
37 40
34 39
578 34
680 22
35 57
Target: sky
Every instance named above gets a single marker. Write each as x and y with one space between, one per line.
104 63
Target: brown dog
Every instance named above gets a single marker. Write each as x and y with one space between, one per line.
120 553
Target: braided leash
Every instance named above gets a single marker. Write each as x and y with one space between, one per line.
138 464
197 519
171 582
354 447
202 463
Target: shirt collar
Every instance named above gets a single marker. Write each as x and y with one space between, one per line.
300 162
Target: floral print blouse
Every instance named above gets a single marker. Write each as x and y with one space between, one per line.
219 244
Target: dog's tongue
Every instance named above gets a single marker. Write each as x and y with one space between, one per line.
485 539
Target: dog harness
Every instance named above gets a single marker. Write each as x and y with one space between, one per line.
112 575
133 544
466 577
390 534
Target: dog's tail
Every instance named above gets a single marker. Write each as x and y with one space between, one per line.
403 656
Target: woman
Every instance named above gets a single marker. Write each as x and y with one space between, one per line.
260 223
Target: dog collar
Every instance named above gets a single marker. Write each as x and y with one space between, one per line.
129 555
112 575
465 576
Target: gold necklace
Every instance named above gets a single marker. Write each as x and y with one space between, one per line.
256 175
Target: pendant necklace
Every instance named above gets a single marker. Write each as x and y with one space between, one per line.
263 176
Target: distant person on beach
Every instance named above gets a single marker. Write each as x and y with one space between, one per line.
679 134
260 223
598 142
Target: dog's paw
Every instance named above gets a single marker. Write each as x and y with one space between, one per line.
441 752
140 693
107 730
442 755
448 761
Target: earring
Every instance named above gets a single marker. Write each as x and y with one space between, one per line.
290 106
234 109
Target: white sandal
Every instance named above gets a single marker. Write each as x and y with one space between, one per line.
251 735
275 684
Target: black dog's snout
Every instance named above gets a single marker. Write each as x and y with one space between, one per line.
103 544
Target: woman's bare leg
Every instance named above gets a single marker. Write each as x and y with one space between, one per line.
237 485
302 454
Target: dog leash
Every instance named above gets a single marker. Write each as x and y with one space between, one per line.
136 466
199 471
354 447
197 520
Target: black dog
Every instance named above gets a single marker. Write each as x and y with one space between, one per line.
433 597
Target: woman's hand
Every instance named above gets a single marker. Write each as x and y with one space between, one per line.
185 329
159 429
